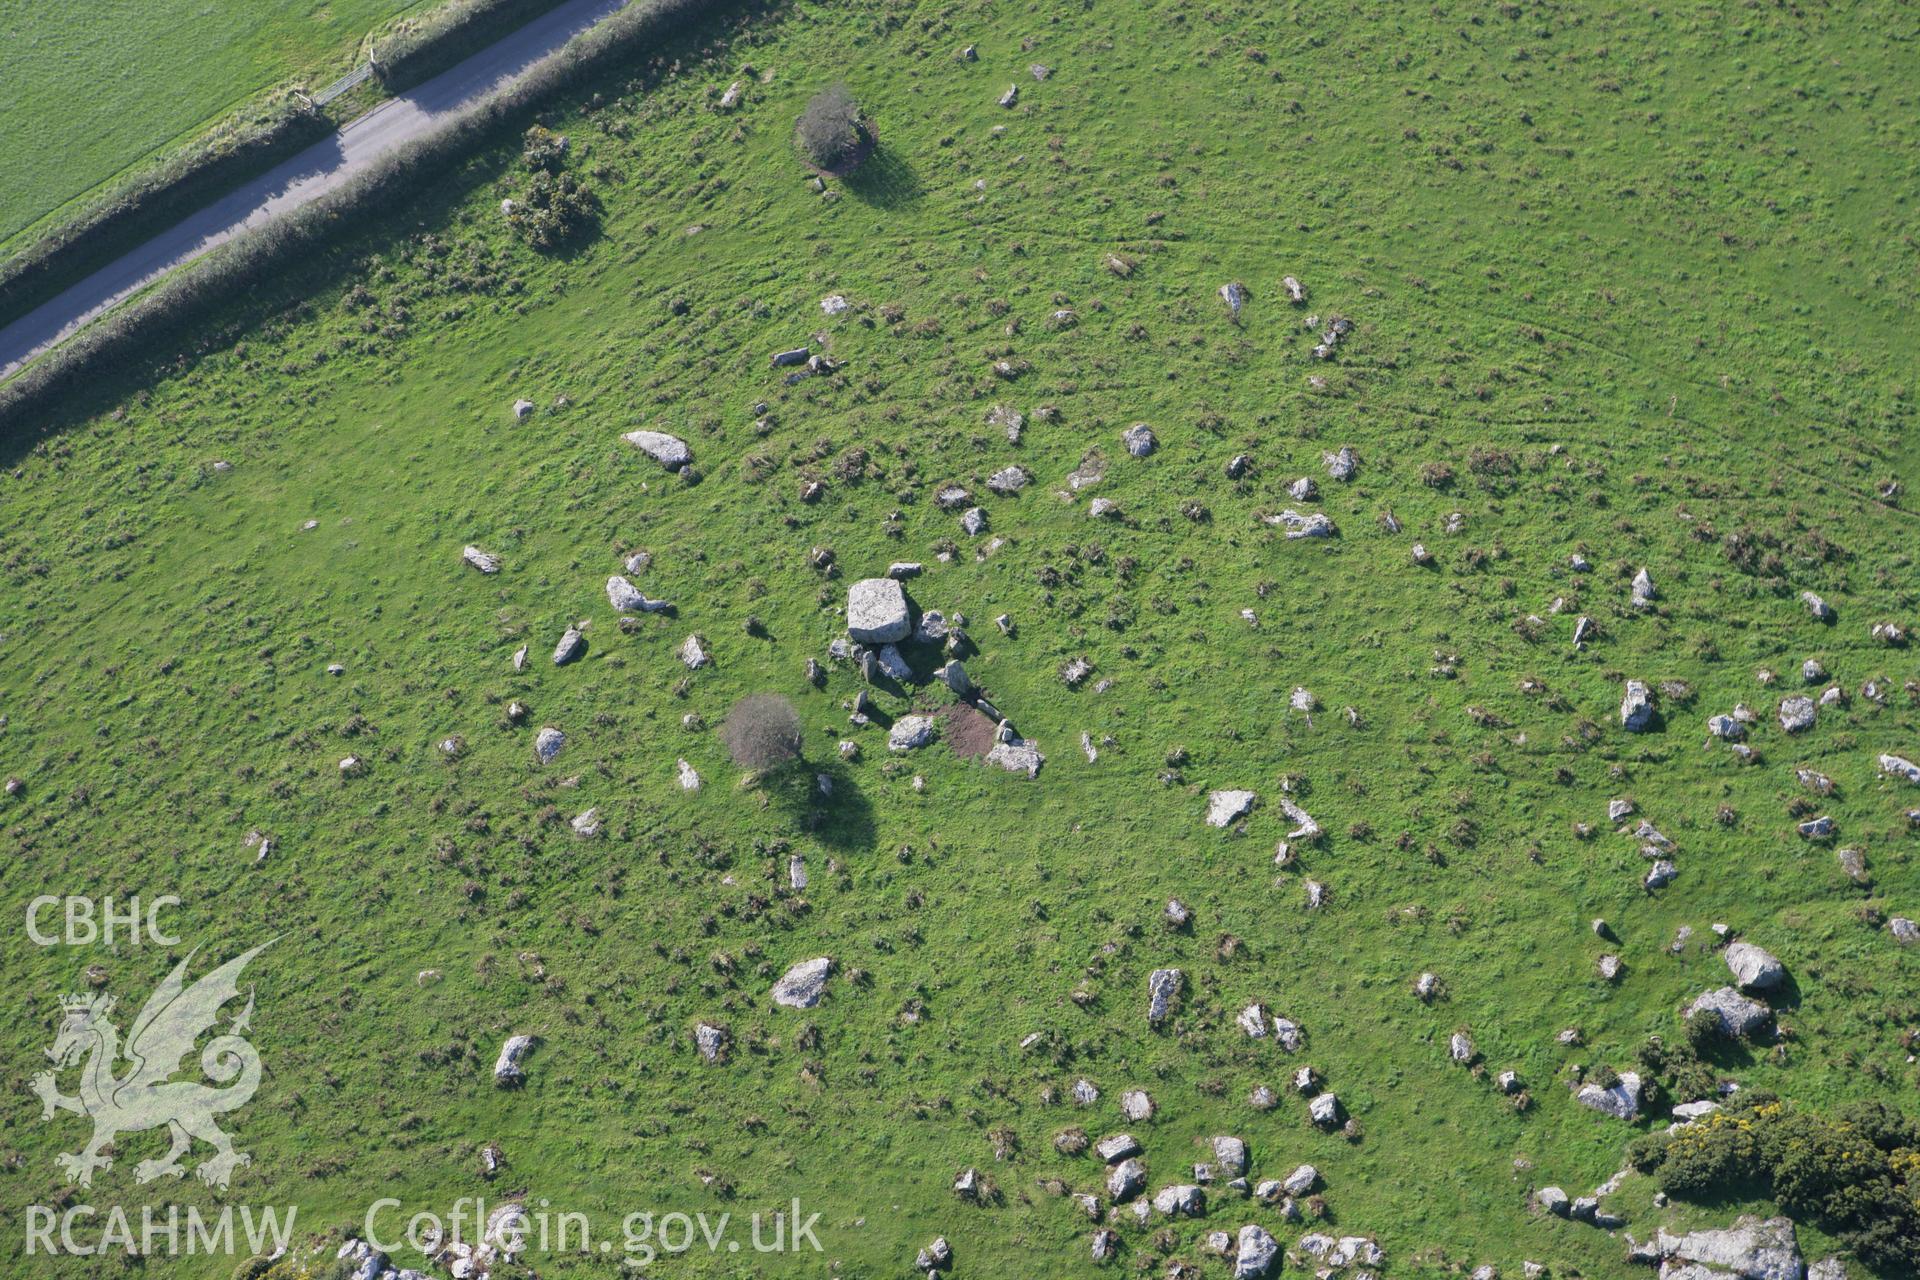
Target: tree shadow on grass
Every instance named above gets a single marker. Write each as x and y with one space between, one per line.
885 180
839 816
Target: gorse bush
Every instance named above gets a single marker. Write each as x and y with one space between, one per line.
542 148
1856 1175
554 208
762 731
830 130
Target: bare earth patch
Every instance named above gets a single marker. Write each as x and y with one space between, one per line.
967 731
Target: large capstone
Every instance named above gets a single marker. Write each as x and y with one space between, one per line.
877 611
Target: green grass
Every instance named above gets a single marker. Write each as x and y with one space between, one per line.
1640 282
93 89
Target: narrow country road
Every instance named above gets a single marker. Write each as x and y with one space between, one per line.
319 169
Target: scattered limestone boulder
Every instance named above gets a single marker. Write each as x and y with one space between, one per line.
522 410
1904 931
1644 593
670 452
1900 767
893 663
572 644
802 986
509 1069
1754 969
1126 1181
937 1256
1797 713
694 653
1009 480
1751 1249
1313 525
1636 708
1116 1147
1234 294
1139 440
1136 1105
1853 864
1324 1110
1820 828
479 559
1818 608
1724 726
1620 1100
1183 1200
547 744
1017 755
1739 1016
955 677
1302 1180
1253 1021
1255 1253
1163 988
687 776
1224 808
1553 1200
587 825
711 1041
877 611
1288 1033
626 598
909 733
1230 1155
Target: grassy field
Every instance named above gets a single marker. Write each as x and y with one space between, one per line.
92 89
1637 287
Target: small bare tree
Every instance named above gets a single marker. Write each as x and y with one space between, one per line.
762 731
830 130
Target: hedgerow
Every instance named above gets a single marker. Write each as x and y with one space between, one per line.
192 293
148 200
420 48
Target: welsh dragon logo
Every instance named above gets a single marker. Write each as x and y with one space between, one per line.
144 1097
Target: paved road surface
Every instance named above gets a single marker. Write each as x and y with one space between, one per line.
317 170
